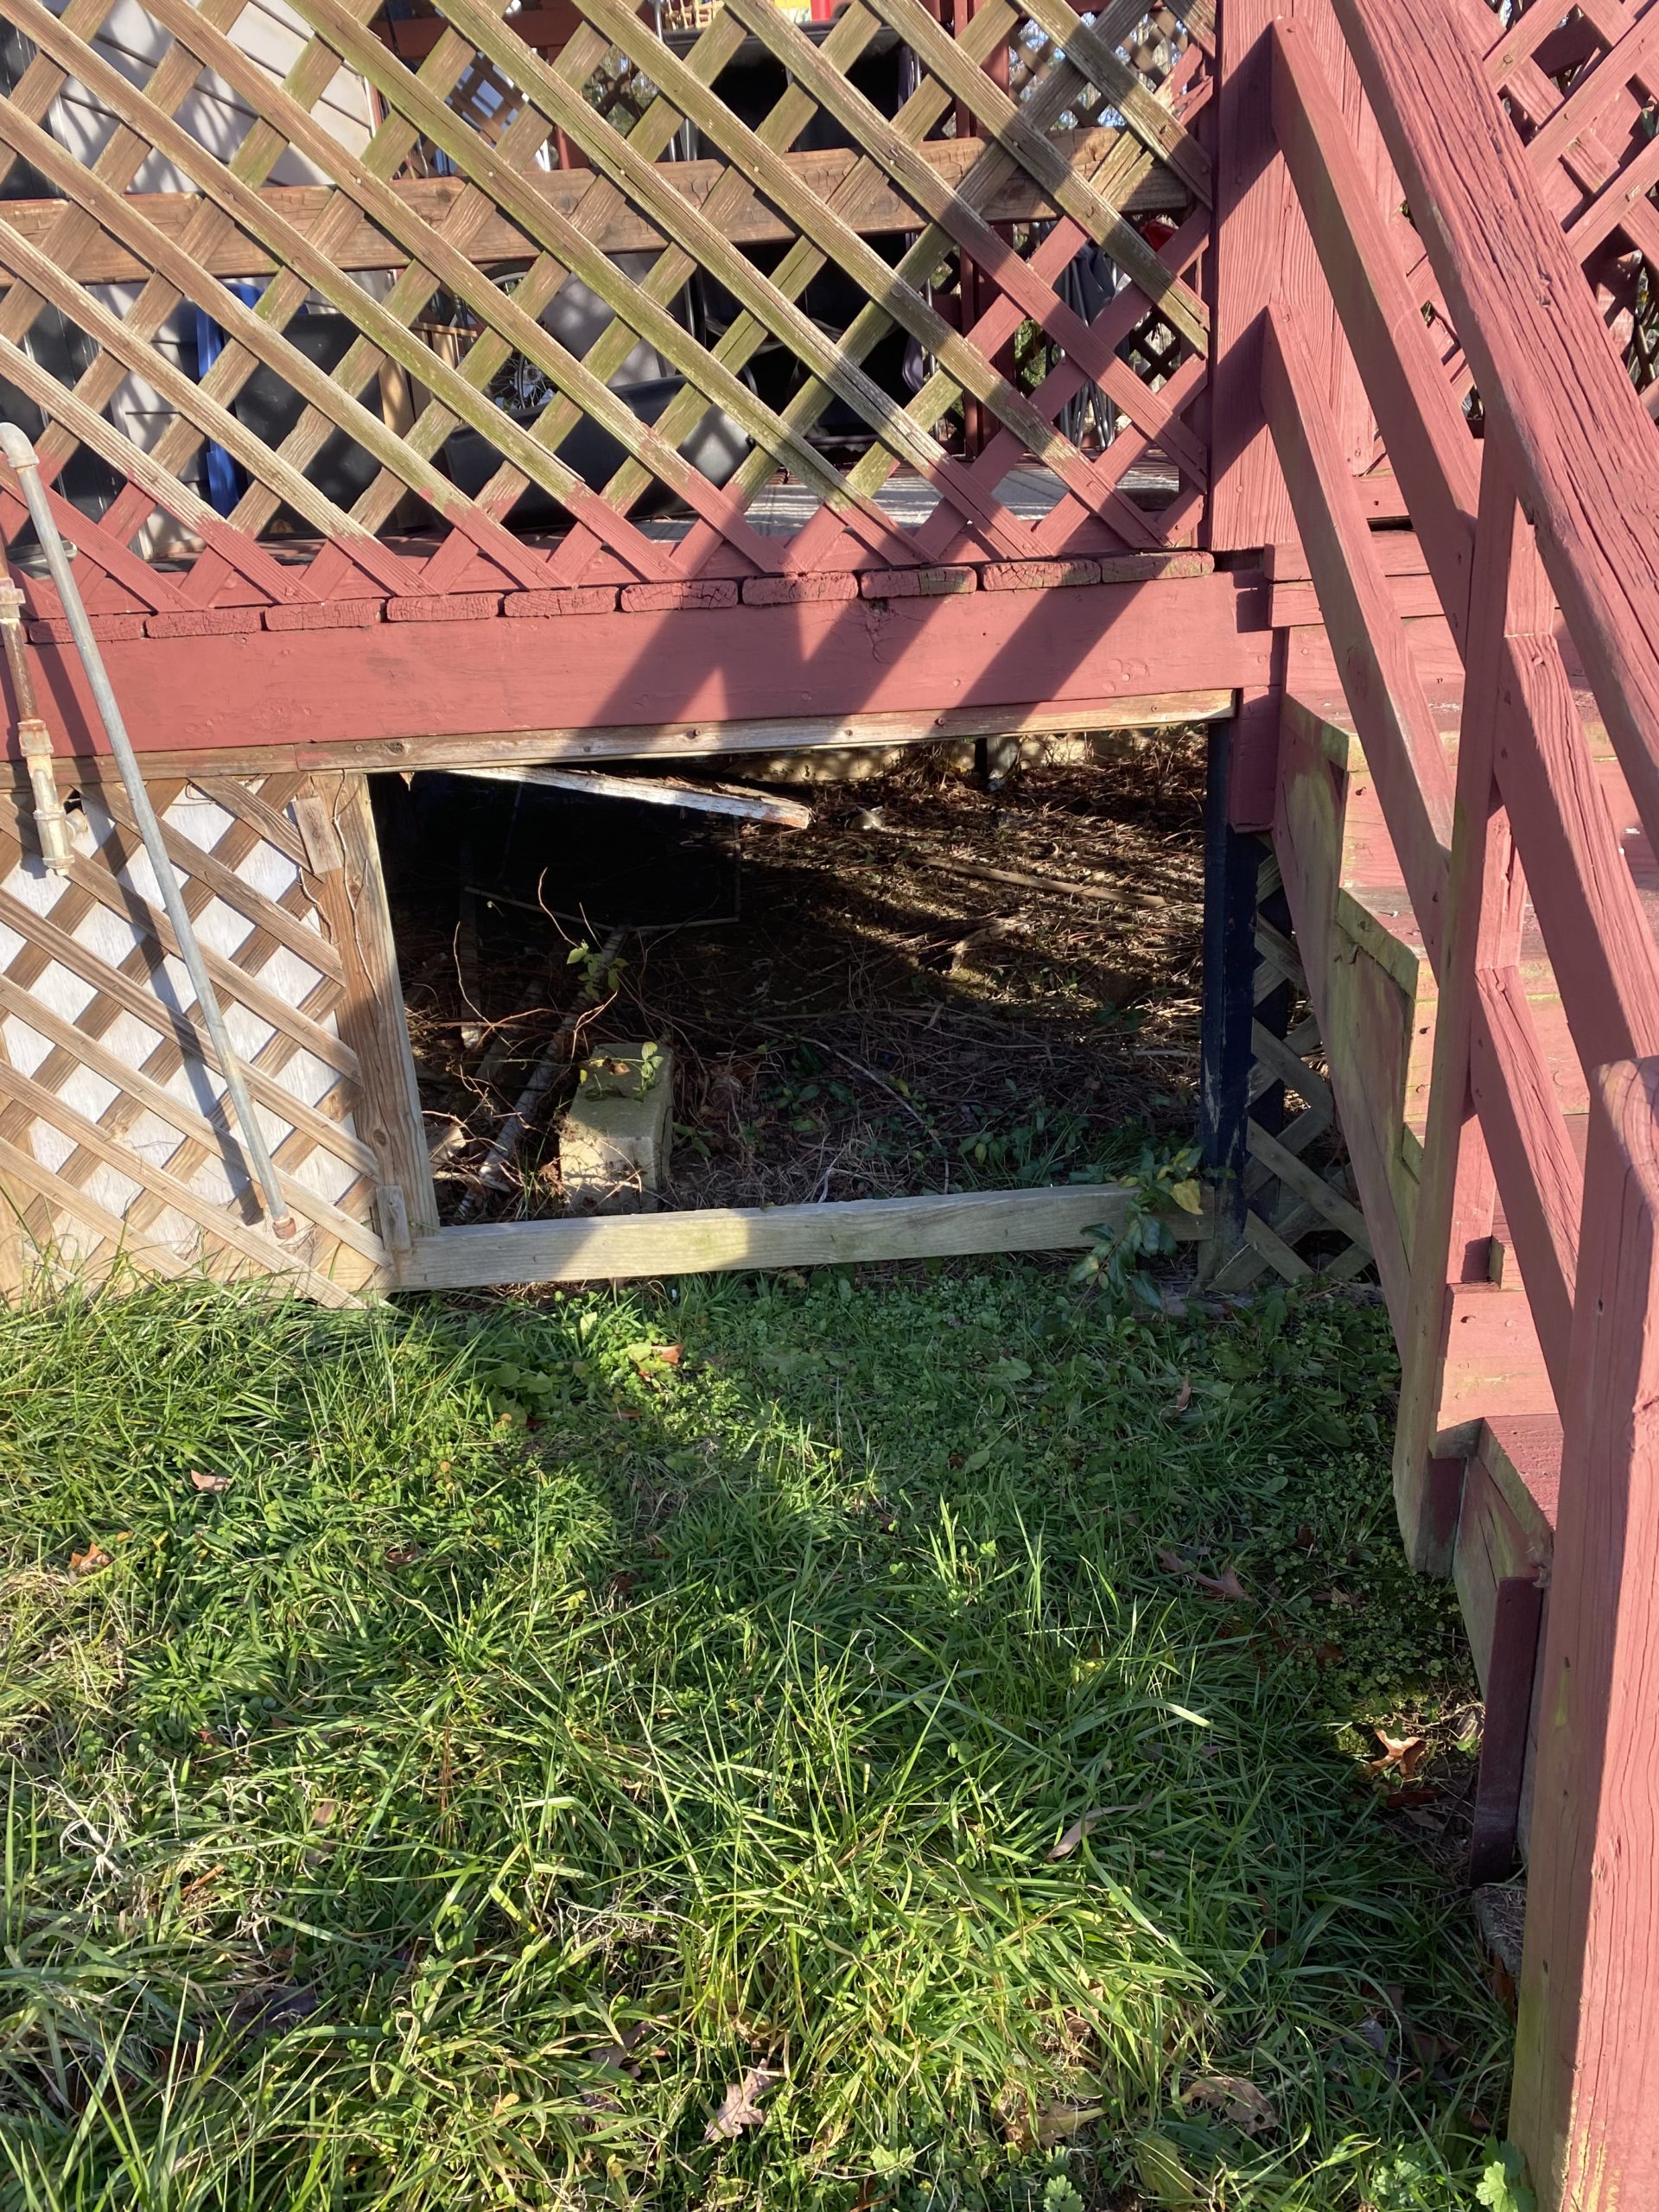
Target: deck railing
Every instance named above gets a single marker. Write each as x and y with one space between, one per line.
566 298
1542 537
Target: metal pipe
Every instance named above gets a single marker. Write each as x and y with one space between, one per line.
21 456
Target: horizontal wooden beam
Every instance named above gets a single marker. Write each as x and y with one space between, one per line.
339 693
610 1248
880 211
684 741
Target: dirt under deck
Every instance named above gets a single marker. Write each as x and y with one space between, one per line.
935 987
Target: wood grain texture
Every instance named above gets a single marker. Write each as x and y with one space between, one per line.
1364 1018
416 680
1263 253
1538 1175
620 1246
880 212
1585 2105
1384 689
351 895
1599 940
1431 453
1573 430
1481 933
1505 1537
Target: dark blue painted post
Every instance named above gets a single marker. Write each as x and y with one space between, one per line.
1232 862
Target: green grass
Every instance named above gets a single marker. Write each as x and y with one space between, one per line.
534 1736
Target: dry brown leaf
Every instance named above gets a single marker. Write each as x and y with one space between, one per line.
1074 1835
402 1555
1224 1585
739 2107
89 1561
323 1812
1183 1397
210 1484
1056 2122
1233 2099
1172 1563
1402 1756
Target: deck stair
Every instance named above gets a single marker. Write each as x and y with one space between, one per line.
1464 805
1373 986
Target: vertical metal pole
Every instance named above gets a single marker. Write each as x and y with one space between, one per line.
21 456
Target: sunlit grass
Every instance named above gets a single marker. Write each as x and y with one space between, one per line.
535 1734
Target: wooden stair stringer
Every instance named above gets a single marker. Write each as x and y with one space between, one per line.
1371 984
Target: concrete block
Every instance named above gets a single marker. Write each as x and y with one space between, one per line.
615 1143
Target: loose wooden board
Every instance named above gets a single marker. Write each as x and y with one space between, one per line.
616 1247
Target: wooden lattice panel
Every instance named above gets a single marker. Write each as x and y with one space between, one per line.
1300 1217
1580 86
1026 231
114 1138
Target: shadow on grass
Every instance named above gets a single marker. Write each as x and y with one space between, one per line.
450 1747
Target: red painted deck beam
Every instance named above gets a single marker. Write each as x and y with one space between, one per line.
246 686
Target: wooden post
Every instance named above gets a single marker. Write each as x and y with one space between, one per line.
1480 933
338 824
1585 2105
1232 862
1263 253
1510 1667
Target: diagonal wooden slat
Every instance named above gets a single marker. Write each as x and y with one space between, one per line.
301 255
355 1254
496 308
903 303
873 322
498 157
1071 193
941 390
284 297
549 229
802 261
957 218
117 165
20 1168
725 203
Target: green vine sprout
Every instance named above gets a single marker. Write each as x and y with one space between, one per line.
1116 1262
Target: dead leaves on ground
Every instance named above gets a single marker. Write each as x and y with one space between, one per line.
1079 1828
1226 1585
1401 1756
740 2105
1029 2126
208 1485
652 1363
1233 2099
92 1560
